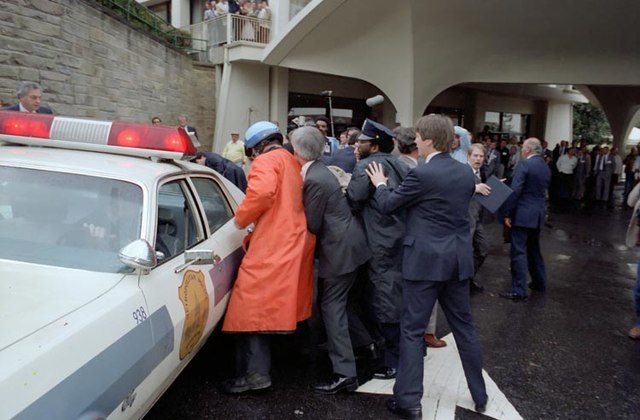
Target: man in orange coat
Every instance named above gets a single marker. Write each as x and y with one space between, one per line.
274 287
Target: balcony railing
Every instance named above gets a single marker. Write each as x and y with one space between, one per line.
229 29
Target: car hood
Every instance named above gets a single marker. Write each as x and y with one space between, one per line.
33 296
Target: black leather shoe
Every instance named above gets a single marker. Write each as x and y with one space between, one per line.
475 286
414 413
339 383
513 296
369 351
385 373
536 287
252 381
481 408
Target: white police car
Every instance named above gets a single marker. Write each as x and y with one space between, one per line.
116 262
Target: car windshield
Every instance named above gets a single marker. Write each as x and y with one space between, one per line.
67 220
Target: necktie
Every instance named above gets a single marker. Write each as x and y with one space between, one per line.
602 158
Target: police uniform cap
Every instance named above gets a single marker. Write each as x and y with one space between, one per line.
373 131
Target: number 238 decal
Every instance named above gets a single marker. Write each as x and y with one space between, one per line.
139 315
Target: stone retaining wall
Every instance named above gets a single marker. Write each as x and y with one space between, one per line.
92 64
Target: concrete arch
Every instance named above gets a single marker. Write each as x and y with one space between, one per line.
415 49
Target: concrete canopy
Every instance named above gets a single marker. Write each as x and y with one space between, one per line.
413 49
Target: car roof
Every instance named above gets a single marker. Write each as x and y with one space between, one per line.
145 170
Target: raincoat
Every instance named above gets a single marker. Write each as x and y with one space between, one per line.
274 287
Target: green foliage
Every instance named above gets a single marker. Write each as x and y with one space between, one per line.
590 124
144 19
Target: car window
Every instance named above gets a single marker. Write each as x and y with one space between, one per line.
216 207
67 220
177 228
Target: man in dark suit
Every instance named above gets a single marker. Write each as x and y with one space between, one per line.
29 97
525 215
340 249
182 123
344 158
437 260
224 167
475 156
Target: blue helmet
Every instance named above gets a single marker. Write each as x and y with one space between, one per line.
260 131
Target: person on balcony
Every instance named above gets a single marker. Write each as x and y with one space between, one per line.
264 14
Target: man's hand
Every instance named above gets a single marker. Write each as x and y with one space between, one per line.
376 174
507 222
483 189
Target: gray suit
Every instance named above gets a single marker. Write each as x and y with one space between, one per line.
340 249
603 171
478 236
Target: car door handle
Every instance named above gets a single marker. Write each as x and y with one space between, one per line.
198 257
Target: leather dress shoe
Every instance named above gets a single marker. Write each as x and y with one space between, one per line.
385 373
512 296
252 381
369 351
481 408
339 383
414 413
475 286
536 287
433 341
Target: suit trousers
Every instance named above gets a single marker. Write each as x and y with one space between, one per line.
603 183
636 294
419 299
526 255
480 246
332 299
253 354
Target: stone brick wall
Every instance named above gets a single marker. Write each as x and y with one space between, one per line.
92 64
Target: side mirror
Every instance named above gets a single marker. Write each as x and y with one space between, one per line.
138 254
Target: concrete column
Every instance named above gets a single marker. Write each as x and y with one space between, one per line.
279 96
559 123
243 100
279 16
180 13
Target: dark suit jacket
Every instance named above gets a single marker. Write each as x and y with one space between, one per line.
344 159
526 205
341 246
190 129
41 110
436 196
228 169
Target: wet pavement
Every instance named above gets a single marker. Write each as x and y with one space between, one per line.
563 354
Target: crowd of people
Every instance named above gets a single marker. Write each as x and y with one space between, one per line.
389 225
243 30
390 220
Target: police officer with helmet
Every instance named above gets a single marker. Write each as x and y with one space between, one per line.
274 287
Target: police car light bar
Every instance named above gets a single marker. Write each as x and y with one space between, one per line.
76 133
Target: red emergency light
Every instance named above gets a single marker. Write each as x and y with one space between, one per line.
94 132
25 124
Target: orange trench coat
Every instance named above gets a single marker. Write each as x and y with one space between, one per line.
274 287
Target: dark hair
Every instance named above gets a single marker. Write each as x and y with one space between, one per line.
324 119
353 138
198 155
406 139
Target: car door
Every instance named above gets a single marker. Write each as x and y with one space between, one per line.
194 293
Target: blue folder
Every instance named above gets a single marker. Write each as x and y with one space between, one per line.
499 194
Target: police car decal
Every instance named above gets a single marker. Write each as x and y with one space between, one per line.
195 299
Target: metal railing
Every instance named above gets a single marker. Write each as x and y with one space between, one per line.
229 29
144 19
